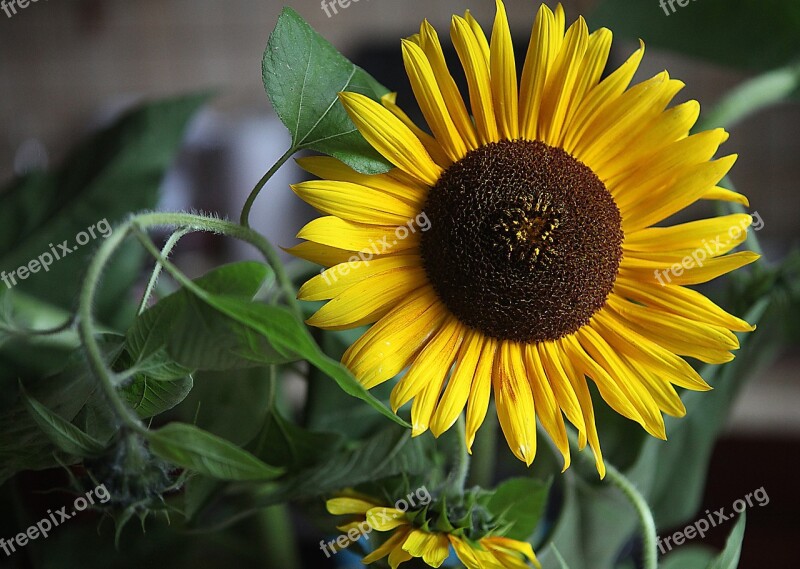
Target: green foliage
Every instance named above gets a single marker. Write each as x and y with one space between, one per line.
61 432
750 34
303 74
204 453
729 558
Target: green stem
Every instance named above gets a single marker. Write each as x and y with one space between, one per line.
646 522
482 473
151 284
248 205
279 539
87 330
458 476
223 227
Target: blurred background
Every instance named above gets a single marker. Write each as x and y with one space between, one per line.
69 67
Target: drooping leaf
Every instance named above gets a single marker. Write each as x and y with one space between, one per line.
303 74
61 432
197 450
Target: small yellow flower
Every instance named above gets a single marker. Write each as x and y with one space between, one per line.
409 541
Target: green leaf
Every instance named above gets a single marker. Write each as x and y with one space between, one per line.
721 31
61 432
116 171
520 502
688 557
182 333
289 337
200 451
387 453
149 397
729 558
753 96
303 74
285 444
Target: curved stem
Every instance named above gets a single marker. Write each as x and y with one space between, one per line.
87 331
248 205
165 251
223 227
646 521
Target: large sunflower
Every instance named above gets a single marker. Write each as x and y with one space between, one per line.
513 250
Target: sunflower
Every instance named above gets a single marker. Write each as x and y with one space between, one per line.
514 250
412 537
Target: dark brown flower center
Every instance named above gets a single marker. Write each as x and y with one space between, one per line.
524 242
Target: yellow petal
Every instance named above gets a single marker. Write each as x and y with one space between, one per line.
394 542
718 235
603 96
369 300
647 352
355 202
432 145
578 382
431 101
542 50
386 519
429 41
626 380
327 168
717 193
321 254
368 239
389 136
678 192
389 346
341 277
562 388
480 391
345 506
503 71
670 126
547 409
653 271
432 364
515 406
457 391
433 548
561 81
476 69
681 301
